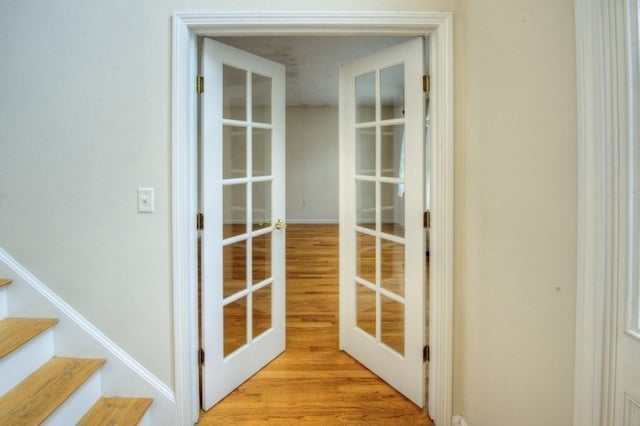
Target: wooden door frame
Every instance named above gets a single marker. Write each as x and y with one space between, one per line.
187 27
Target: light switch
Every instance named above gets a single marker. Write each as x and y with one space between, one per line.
145 200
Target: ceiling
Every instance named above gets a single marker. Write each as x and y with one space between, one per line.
312 63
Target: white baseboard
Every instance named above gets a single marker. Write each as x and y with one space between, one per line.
458 421
312 221
75 336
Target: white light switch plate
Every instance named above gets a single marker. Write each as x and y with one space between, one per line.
145 200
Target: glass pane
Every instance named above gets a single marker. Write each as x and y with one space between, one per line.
261 98
366 309
234 205
234 274
261 258
366 98
366 151
261 152
392 92
234 93
392 151
235 325
366 204
234 152
392 327
366 257
392 266
392 204
261 310
261 205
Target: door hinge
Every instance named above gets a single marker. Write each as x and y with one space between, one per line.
199 84
201 356
426 83
426 219
199 221
426 354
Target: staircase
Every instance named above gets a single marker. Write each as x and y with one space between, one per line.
37 387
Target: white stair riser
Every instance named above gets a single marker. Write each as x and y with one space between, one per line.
3 302
77 404
145 420
19 364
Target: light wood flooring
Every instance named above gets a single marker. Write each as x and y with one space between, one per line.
313 382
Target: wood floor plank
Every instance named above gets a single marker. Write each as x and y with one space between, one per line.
5 282
15 332
112 411
313 382
40 394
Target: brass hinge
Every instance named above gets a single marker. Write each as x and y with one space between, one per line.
426 354
426 83
426 219
199 221
199 84
201 356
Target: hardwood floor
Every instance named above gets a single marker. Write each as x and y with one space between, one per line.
313 382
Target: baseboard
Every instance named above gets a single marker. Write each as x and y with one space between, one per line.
458 421
77 336
312 221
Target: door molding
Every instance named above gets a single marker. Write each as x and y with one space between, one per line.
603 120
187 27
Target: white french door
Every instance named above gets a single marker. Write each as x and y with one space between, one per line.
382 247
242 197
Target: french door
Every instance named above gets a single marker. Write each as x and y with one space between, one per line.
242 197
382 245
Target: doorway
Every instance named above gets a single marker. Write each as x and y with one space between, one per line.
186 28
312 67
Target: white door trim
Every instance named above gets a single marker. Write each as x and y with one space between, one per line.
186 28
602 122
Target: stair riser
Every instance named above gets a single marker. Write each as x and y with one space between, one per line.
3 302
19 364
77 404
145 421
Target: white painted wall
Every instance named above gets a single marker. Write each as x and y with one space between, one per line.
312 164
85 120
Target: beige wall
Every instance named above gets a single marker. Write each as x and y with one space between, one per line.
85 120
515 213
312 164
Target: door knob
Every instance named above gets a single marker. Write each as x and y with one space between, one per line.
280 224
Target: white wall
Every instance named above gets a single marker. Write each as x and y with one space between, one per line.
85 119
312 164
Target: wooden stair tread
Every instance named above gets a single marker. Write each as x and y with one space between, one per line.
116 411
40 394
15 332
5 281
